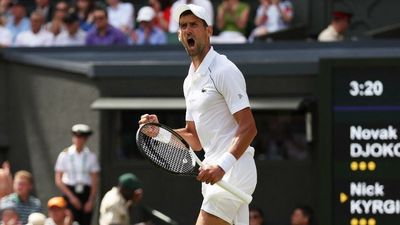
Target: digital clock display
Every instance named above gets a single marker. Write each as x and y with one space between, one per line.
366 88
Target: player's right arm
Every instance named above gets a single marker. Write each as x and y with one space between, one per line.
189 133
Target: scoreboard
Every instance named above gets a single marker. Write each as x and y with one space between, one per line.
359 147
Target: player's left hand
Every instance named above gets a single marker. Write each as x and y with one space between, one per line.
210 174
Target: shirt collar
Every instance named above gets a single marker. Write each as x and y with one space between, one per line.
72 149
205 64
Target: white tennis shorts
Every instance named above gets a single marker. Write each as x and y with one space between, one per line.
225 205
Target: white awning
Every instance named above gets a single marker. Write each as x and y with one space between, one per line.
292 103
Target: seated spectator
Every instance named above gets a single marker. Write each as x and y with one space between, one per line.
9 214
5 11
73 35
59 214
6 185
232 18
163 13
104 33
84 9
36 219
336 29
148 33
45 8
37 36
302 215
56 25
25 203
272 16
18 22
114 208
121 15
173 25
5 41
256 216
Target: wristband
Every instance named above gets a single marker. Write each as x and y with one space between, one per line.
226 161
163 136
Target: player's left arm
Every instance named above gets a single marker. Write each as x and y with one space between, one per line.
243 137
245 133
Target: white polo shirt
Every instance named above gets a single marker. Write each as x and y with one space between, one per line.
122 15
30 39
77 167
213 94
5 37
65 39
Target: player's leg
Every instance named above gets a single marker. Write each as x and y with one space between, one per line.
206 218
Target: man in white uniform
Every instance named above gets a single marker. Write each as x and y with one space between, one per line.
218 120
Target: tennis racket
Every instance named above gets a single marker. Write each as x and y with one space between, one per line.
167 150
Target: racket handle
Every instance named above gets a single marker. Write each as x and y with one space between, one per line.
246 198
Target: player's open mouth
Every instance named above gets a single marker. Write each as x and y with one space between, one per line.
190 42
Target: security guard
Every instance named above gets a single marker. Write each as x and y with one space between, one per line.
77 170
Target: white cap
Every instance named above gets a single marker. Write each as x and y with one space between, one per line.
146 13
198 11
81 129
36 219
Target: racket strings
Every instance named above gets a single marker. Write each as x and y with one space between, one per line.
167 151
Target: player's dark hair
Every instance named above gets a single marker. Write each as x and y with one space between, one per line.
189 12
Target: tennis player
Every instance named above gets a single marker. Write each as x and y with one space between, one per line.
218 120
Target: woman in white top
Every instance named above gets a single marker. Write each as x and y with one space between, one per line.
77 171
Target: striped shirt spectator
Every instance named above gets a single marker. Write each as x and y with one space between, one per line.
25 203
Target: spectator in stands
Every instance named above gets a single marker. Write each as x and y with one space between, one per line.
104 33
18 22
84 9
5 41
232 18
56 25
5 11
272 16
6 182
59 214
121 15
37 36
173 25
256 216
147 33
45 8
77 171
73 35
9 214
25 203
302 215
163 13
114 208
339 25
36 219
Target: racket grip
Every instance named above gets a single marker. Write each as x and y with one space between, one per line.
246 198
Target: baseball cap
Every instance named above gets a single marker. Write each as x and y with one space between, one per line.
146 13
198 11
70 17
36 219
129 181
342 15
81 130
57 202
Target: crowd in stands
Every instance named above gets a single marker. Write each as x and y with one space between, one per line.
117 22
